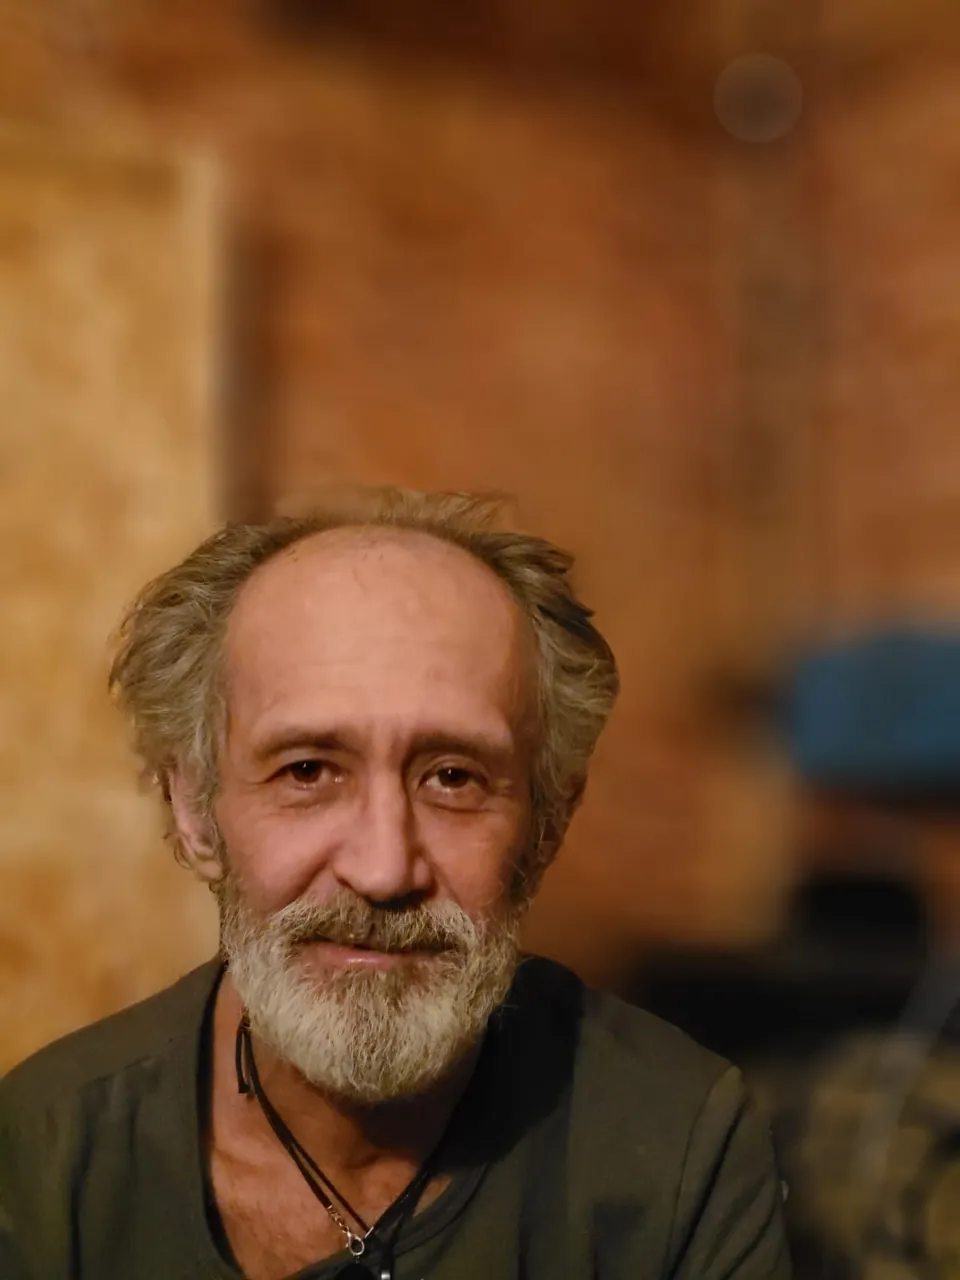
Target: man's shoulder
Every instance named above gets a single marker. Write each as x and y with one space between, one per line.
627 1032
54 1075
613 1036
658 1140
647 1124
625 1039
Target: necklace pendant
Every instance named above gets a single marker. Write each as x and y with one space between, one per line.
357 1245
354 1271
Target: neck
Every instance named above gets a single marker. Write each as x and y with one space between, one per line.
346 1139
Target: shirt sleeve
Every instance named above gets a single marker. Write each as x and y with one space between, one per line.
12 1266
728 1223
30 1231
11 1263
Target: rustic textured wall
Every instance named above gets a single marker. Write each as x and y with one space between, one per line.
106 354
494 288
443 275
891 165
489 289
462 278
519 265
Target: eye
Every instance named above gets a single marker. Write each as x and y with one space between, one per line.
454 786
454 777
306 772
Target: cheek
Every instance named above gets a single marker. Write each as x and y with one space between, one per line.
275 855
471 859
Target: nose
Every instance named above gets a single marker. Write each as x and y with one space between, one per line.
383 859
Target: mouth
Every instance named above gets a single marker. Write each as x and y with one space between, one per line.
361 955
356 944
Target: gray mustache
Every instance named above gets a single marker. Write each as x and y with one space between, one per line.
359 924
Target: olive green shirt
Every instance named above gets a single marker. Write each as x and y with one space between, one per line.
593 1143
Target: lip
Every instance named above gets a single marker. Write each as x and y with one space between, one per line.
358 957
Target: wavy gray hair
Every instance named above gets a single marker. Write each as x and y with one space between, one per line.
167 669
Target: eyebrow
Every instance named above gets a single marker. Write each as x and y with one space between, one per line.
291 737
493 749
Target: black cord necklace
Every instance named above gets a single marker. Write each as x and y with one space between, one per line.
380 1238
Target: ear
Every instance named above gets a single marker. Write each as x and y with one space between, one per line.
192 828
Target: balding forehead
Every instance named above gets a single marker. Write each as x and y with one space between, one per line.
344 598
324 565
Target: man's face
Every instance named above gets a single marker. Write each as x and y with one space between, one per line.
374 790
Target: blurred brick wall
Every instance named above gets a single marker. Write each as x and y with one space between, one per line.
535 261
445 276
891 166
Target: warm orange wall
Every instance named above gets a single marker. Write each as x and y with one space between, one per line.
696 364
447 278
106 312
891 168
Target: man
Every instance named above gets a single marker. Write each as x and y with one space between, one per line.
370 728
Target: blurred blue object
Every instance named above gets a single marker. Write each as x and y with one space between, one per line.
879 715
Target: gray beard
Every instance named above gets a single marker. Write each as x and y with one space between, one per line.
369 1036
